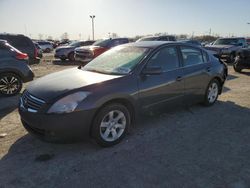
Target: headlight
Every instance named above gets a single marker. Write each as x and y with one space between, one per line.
68 104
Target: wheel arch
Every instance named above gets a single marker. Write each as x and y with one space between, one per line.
124 101
11 71
221 82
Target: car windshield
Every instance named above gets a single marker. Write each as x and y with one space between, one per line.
147 39
119 60
102 43
75 44
226 42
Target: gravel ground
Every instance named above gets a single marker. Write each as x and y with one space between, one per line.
187 147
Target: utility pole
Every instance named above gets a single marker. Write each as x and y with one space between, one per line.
93 30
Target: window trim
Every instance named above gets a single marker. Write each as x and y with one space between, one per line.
182 59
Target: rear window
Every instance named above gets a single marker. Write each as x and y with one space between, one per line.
18 41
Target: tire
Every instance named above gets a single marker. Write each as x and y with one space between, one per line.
212 92
237 68
10 84
111 124
232 58
71 56
47 50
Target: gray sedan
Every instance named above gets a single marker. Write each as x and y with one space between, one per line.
102 98
67 51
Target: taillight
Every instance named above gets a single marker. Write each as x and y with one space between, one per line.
20 55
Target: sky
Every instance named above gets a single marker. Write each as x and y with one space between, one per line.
127 18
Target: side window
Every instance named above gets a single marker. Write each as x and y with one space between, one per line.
191 56
166 58
205 56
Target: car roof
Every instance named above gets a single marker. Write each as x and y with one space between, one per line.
155 44
10 34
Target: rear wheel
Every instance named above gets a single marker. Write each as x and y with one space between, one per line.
10 84
71 56
236 66
212 93
111 124
47 50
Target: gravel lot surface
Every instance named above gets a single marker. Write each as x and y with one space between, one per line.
187 147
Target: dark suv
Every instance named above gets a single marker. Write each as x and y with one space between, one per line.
226 48
24 44
14 69
87 53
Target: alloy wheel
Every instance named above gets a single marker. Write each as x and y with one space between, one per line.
113 125
213 91
9 85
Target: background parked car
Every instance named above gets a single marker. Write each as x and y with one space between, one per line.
248 42
46 46
158 38
242 60
194 42
24 44
39 50
67 51
226 48
87 53
14 69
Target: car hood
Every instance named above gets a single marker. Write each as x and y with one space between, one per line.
56 84
87 48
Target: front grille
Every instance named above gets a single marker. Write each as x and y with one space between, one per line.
30 102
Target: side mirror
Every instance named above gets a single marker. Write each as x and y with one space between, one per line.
152 70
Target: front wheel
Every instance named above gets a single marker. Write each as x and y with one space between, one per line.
237 67
111 124
10 84
212 93
71 56
232 58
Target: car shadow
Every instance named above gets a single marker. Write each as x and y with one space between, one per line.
195 144
8 104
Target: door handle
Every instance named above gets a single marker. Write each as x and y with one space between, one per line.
179 78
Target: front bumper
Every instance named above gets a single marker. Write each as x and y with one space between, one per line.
54 127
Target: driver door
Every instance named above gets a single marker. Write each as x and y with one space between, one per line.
165 87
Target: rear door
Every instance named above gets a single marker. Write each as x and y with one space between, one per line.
164 88
196 72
